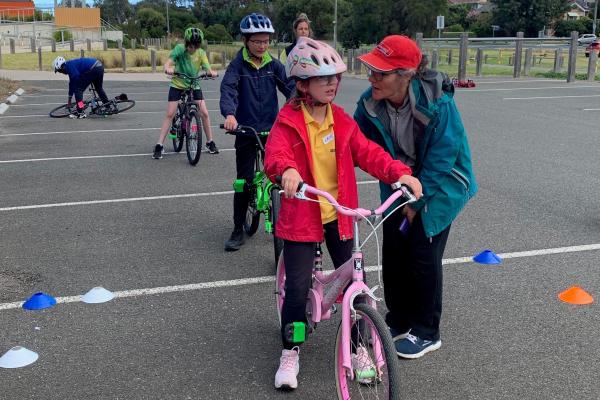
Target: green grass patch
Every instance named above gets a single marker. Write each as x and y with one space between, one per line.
7 86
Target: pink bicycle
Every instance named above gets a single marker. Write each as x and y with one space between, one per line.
366 364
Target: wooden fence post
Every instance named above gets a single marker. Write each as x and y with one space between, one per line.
435 59
571 69
153 59
39 51
463 56
479 63
591 72
12 45
528 61
88 44
123 59
557 57
518 55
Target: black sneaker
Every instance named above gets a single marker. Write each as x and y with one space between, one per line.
158 149
212 147
235 241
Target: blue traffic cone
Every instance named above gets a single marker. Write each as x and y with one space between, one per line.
487 257
39 301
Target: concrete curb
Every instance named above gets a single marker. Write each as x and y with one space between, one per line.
11 99
3 108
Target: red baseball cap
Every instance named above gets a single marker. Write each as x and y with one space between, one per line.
394 52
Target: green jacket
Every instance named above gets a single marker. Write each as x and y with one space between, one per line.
443 156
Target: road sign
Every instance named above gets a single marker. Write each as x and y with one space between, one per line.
440 22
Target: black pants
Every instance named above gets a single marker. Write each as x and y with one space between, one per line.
412 277
299 261
95 76
245 158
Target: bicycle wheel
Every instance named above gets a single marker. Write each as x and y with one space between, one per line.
178 139
279 287
61 111
252 214
124 105
274 213
193 138
376 376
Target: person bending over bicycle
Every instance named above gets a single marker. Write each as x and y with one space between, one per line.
315 141
188 59
82 72
249 97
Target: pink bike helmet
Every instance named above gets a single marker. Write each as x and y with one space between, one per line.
310 58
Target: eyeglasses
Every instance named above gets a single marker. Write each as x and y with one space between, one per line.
259 42
378 76
327 80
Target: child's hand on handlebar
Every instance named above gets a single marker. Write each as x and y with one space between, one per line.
413 183
230 123
169 70
213 73
290 181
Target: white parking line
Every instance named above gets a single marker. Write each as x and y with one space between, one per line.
550 97
90 157
140 93
591 109
132 199
92 131
527 88
477 81
269 279
128 113
56 104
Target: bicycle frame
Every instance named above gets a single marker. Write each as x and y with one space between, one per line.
326 287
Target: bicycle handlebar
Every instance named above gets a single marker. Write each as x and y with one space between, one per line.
199 77
244 130
401 190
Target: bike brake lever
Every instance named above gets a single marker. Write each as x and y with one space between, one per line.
301 193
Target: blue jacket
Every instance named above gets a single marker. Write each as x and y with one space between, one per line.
75 68
443 156
250 93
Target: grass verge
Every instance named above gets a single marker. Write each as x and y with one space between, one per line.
7 87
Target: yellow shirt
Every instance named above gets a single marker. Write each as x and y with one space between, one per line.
322 146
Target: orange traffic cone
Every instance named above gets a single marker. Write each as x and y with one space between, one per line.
576 295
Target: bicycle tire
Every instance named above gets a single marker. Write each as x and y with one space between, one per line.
252 214
279 287
124 105
385 382
274 214
61 111
193 138
179 138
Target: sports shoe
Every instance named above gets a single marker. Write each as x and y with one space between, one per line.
158 150
364 368
236 240
398 335
289 366
415 347
212 147
77 115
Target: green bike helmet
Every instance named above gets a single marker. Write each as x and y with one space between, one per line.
193 35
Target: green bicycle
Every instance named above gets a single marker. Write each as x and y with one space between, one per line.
264 194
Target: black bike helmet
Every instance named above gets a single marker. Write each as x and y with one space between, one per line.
193 35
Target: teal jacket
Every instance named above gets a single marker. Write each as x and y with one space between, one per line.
443 156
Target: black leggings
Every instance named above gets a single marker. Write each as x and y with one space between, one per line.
299 261
94 76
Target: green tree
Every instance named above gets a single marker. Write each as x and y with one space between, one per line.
457 15
217 33
115 12
420 15
481 25
151 22
528 16
563 28
320 13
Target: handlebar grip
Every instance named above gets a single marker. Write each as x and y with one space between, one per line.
222 126
278 179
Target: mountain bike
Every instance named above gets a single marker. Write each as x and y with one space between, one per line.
187 123
264 194
366 364
94 106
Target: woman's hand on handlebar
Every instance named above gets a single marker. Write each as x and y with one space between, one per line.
290 181
230 123
413 183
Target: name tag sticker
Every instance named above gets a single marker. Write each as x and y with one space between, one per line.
328 138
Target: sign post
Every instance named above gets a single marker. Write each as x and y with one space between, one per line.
440 25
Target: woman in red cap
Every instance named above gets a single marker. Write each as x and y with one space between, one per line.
410 111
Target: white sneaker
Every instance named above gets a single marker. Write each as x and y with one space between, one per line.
289 366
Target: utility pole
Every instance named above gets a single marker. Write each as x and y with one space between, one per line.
595 17
168 30
335 24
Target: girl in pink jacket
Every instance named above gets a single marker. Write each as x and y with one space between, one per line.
316 142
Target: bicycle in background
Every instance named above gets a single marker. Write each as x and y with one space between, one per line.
187 124
366 364
94 106
264 194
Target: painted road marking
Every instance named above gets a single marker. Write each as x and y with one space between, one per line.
550 97
56 104
269 279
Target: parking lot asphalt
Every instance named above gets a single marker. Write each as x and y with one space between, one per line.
83 204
